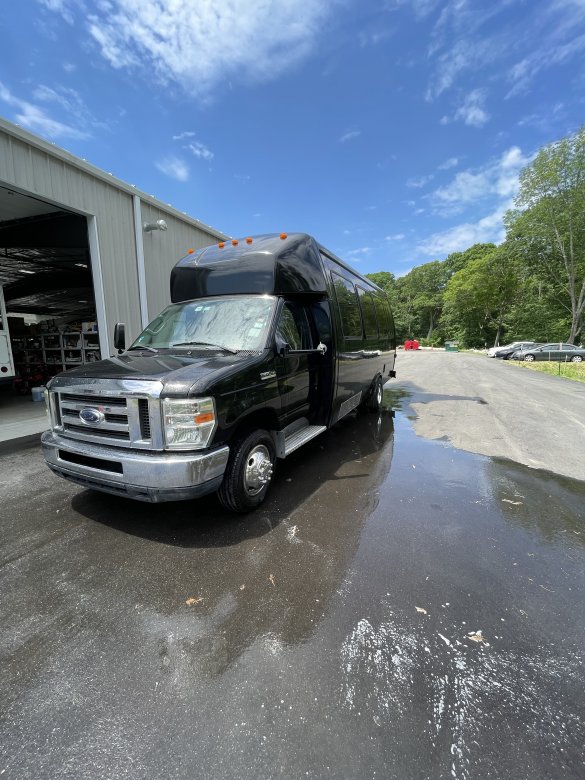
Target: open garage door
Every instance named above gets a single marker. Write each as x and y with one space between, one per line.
49 303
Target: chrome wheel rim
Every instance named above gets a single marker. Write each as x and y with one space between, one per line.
258 469
379 394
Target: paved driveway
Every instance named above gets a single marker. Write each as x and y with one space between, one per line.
398 608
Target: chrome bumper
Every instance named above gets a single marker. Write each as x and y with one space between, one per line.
145 476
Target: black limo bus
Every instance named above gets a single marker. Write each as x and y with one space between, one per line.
268 342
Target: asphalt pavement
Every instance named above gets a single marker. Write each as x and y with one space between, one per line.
398 608
494 407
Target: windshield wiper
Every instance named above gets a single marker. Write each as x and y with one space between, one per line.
143 346
205 344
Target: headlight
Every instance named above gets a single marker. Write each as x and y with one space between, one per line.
188 425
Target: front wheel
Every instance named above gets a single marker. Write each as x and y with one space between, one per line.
374 403
529 358
576 359
248 473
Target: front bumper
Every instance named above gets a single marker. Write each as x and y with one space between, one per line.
138 474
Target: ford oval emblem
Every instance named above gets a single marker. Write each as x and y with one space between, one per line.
91 416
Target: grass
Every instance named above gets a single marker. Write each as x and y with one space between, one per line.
574 371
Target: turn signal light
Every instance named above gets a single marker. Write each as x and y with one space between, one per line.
204 417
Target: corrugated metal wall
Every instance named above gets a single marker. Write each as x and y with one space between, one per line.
39 173
162 249
31 165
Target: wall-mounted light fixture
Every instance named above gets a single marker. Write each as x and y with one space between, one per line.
160 224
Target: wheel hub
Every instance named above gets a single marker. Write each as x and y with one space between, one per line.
258 472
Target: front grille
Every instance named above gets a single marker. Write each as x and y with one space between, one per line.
94 463
144 418
102 433
123 420
92 400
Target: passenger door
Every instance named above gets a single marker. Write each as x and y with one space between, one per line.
293 373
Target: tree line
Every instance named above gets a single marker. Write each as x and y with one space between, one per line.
530 287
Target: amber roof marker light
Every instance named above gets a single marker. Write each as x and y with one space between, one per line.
234 241
190 251
221 244
249 240
283 236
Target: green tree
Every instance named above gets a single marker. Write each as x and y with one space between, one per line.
456 261
385 280
479 297
547 228
427 285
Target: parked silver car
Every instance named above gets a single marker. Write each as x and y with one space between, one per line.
506 350
557 351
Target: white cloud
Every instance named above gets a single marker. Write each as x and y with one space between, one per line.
355 253
452 162
498 179
395 237
348 136
174 167
524 72
64 8
472 111
465 39
200 150
182 136
420 181
461 237
199 45
35 118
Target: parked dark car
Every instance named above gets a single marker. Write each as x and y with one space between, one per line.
506 352
562 352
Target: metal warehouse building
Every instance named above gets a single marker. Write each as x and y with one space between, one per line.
79 251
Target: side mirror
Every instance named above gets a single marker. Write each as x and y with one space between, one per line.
282 348
120 336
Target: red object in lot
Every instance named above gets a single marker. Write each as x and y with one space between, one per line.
411 344
415 344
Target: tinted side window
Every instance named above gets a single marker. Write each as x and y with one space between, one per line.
293 326
368 314
349 310
383 316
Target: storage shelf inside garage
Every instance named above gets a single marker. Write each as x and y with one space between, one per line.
57 351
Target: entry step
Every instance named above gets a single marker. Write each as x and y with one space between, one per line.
302 436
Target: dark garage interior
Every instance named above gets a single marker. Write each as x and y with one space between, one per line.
47 285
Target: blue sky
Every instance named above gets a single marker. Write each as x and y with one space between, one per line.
392 131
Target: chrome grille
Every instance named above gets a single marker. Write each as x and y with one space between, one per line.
128 418
92 400
144 414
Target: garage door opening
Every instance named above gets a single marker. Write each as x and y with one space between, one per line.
47 305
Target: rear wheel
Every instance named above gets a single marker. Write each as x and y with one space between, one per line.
576 359
529 358
374 402
248 473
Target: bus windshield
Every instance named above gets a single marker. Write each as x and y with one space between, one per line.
234 323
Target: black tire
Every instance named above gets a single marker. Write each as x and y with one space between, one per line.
248 473
376 395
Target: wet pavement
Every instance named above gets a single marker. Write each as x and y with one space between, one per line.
398 608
